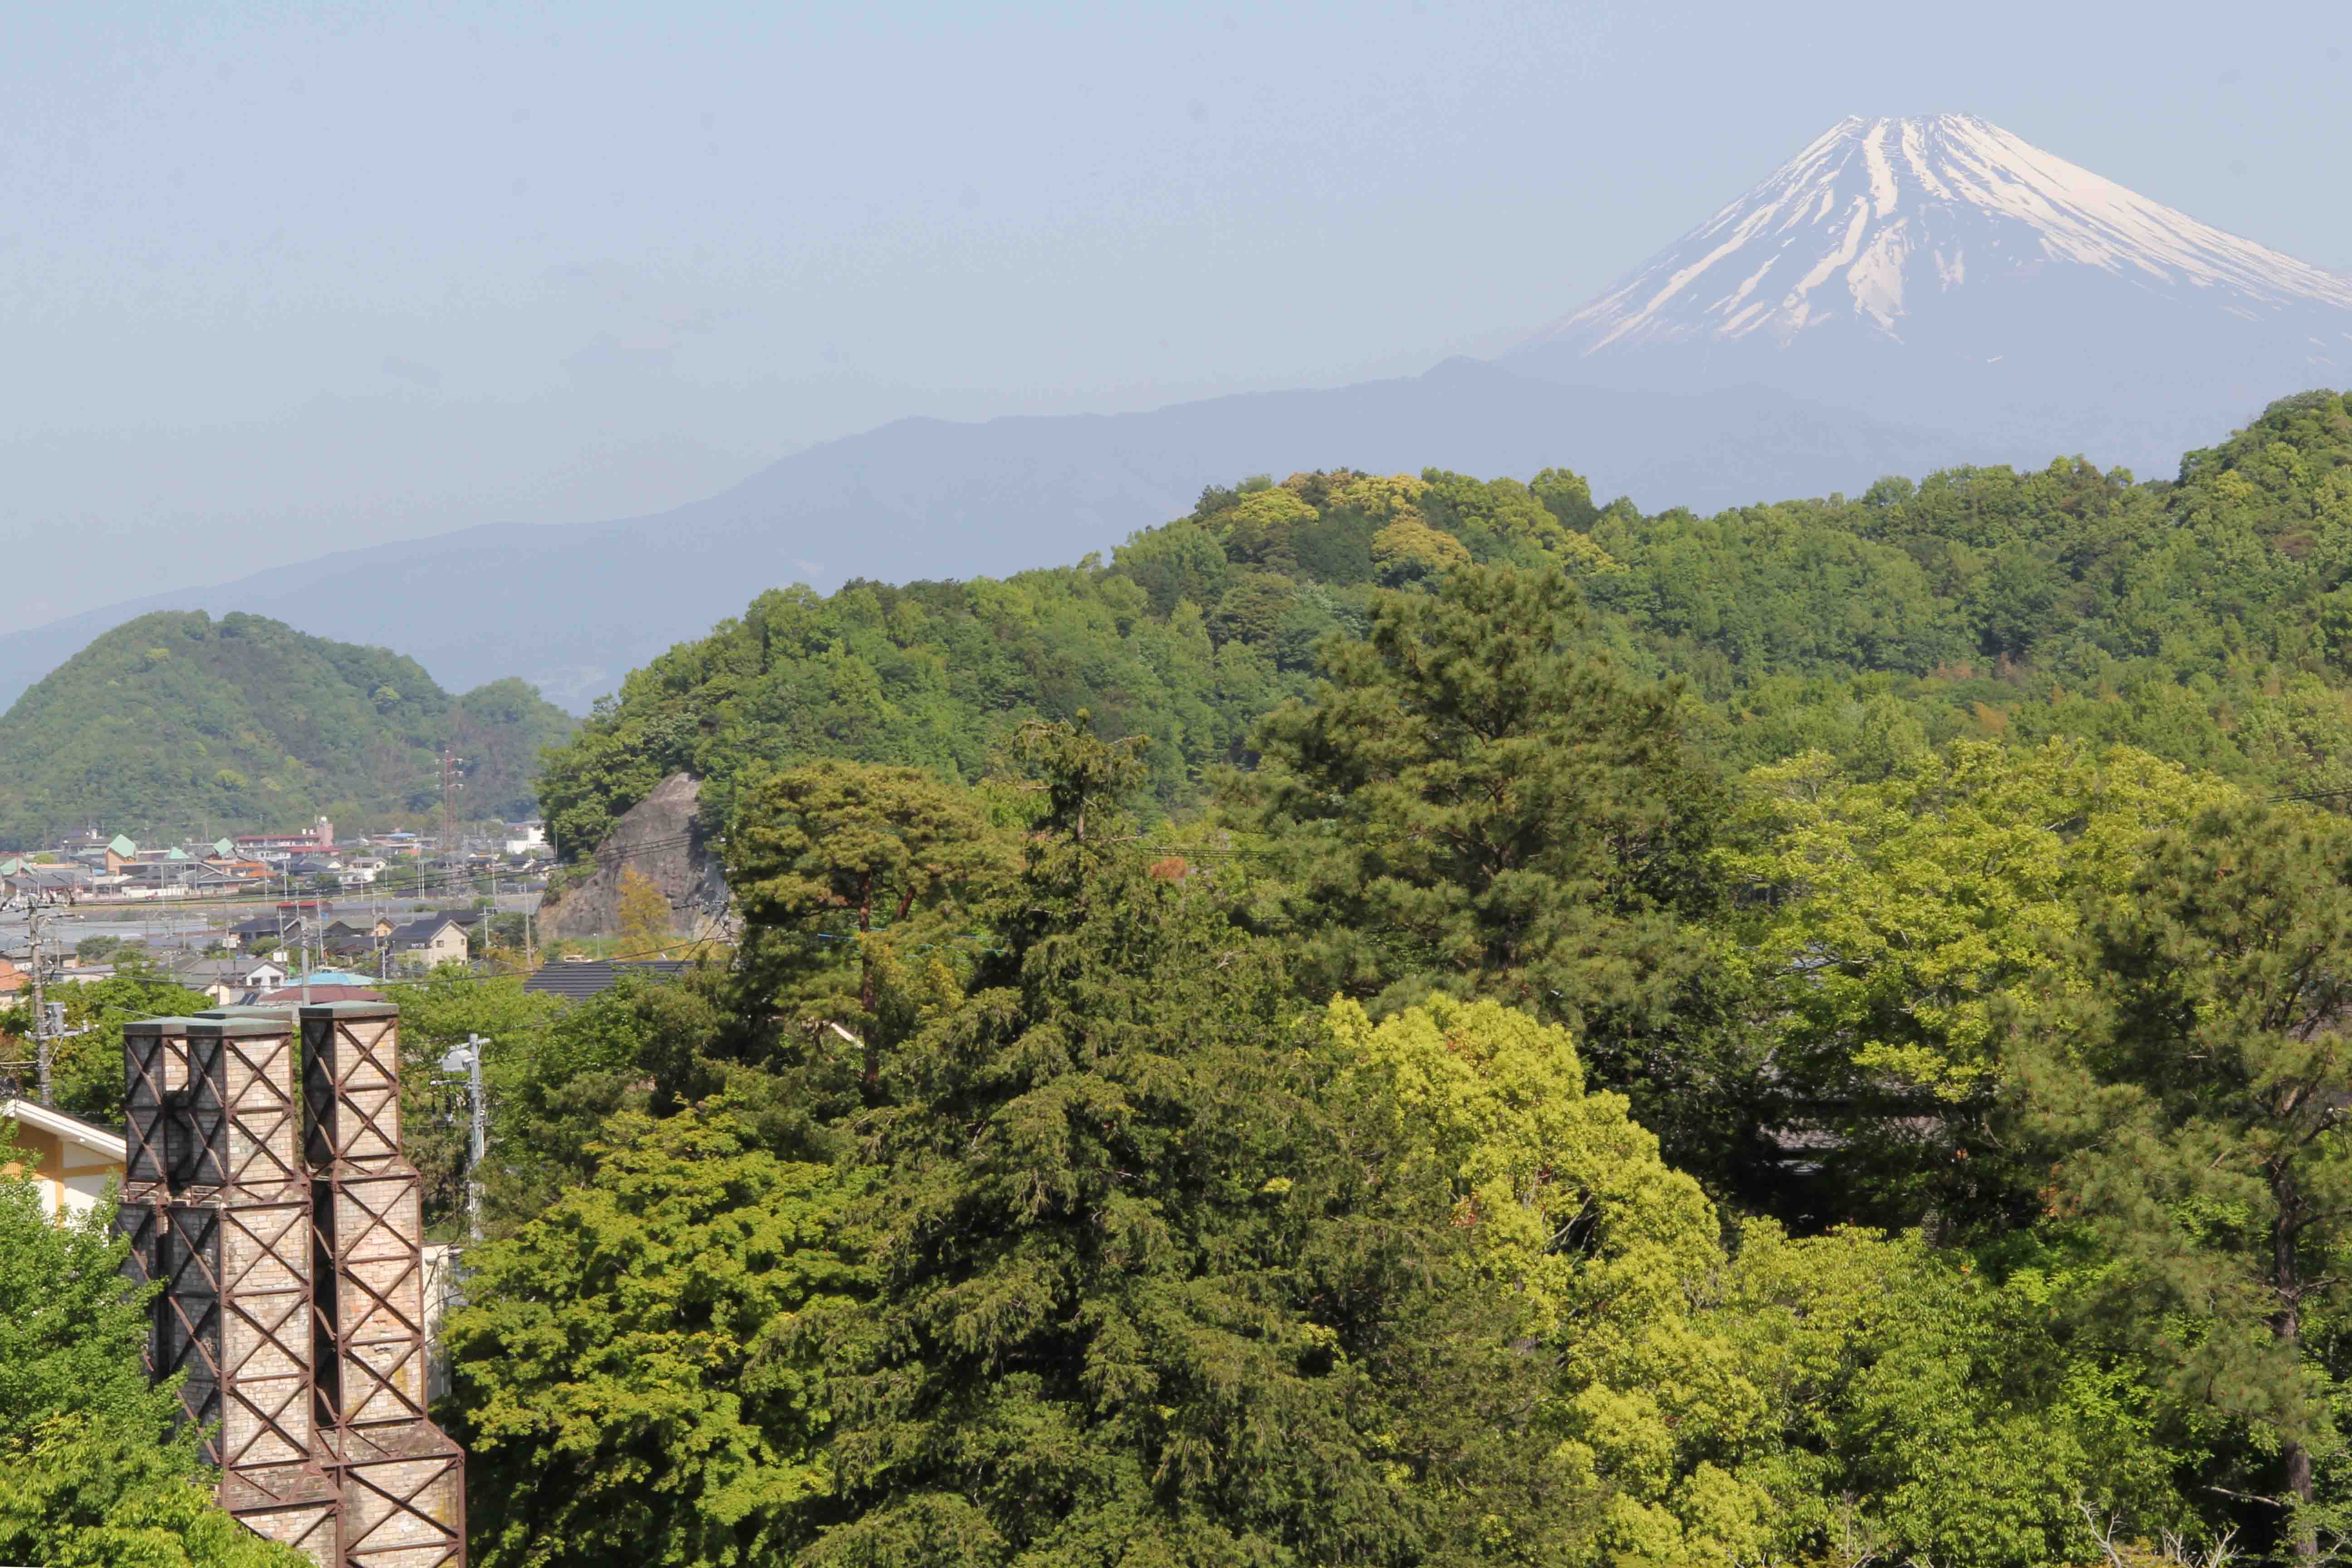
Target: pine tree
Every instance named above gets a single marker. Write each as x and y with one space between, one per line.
847 877
2198 1096
1145 1297
1476 803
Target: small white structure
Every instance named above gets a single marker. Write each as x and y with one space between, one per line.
74 1162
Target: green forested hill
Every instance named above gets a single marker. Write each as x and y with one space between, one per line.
1815 1108
176 723
2206 618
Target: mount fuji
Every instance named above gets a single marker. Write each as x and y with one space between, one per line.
1946 273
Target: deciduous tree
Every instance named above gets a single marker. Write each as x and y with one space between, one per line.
636 1378
93 1472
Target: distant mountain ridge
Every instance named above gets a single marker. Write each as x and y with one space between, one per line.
175 724
572 608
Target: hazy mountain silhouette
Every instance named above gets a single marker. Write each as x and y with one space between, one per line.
572 608
1903 294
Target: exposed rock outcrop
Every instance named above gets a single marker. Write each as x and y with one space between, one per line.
661 839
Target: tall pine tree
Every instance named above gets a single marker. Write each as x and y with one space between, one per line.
2198 1096
1150 1292
1476 802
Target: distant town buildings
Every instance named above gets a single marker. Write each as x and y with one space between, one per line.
319 839
237 919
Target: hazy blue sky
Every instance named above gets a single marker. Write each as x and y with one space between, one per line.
276 280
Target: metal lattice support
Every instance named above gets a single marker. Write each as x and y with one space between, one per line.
155 1070
236 1322
404 1500
350 1084
299 1505
138 1219
403 1480
370 1298
244 1117
156 1075
269 1194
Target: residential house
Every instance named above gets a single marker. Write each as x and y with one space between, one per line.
49 883
211 878
581 978
434 939
354 939
522 838
361 870
231 982
73 1160
265 933
15 973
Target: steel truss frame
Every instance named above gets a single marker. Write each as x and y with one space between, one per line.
268 1194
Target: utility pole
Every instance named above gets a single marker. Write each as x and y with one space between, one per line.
450 785
479 1140
42 1048
468 1058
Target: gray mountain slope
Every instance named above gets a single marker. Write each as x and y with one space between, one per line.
572 608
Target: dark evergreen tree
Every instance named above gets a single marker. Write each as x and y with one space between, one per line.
1147 1295
2198 1098
1476 802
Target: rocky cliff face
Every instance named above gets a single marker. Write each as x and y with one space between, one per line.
660 840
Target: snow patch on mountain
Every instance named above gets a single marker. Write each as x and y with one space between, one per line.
1877 218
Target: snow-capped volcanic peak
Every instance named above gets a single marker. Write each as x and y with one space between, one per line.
1878 218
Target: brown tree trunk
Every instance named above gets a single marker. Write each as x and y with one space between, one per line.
868 994
2286 1284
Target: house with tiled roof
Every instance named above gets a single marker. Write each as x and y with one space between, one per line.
434 939
581 978
231 982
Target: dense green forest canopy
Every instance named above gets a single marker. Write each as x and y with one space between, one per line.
1989 1208
1515 1033
2206 618
177 723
